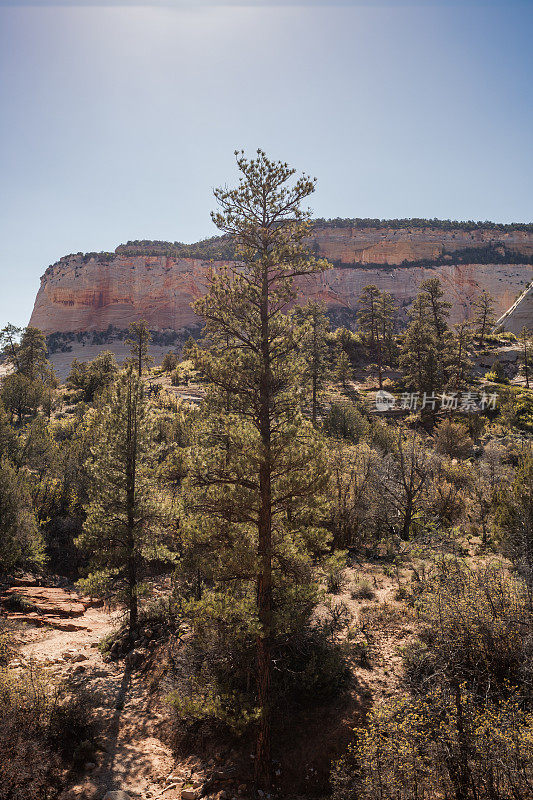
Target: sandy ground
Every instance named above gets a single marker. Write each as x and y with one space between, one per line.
132 757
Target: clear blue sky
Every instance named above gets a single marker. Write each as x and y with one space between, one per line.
117 119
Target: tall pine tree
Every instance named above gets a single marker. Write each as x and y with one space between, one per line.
525 343
485 316
124 527
138 341
427 347
257 469
420 353
376 320
367 316
315 350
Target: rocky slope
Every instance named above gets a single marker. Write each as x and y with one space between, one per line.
157 281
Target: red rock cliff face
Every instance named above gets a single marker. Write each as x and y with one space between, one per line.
79 293
393 246
88 296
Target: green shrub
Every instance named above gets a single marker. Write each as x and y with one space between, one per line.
205 709
21 542
183 373
170 362
496 374
44 733
363 590
474 627
344 421
335 571
516 408
440 746
215 673
17 602
452 439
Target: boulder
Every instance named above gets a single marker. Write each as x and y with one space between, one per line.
79 657
136 658
25 580
510 356
46 601
64 626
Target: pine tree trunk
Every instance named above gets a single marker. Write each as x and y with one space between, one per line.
131 463
407 516
482 336
380 365
263 760
132 590
459 365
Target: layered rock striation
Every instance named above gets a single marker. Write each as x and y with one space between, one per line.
156 282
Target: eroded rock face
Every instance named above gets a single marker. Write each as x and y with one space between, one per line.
88 293
392 246
77 295
462 283
520 314
48 600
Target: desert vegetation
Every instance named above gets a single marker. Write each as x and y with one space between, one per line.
319 540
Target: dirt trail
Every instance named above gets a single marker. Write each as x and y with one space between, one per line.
131 757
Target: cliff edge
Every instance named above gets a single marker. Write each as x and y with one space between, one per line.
158 281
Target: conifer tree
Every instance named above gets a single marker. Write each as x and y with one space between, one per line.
32 355
438 309
8 440
188 348
315 350
257 466
93 376
461 363
9 336
387 308
421 352
138 341
485 316
38 450
124 524
427 347
376 320
343 367
21 396
33 378
525 341
21 543
367 316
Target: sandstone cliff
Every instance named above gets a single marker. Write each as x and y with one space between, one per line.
91 292
520 314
